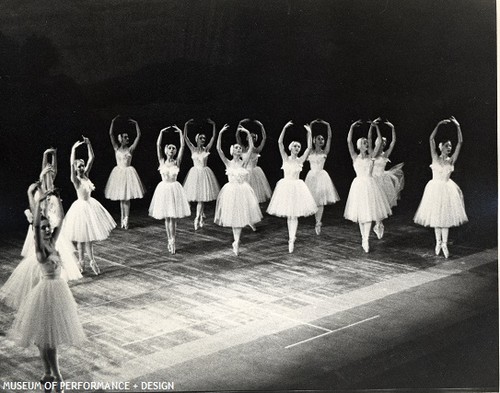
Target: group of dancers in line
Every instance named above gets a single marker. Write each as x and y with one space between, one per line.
38 289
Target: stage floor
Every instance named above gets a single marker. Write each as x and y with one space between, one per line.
329 316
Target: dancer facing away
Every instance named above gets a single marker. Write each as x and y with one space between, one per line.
256 177
201 184
366 201
237 205
124 183
291 197
391 182
87 220
48 317
442 205
169 200
317 180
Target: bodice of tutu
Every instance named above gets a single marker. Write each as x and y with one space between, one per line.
86 187
441 172
169 172
123 158
253 160
317 161
379 165
200 158
291 169
236 173
363 166
51 268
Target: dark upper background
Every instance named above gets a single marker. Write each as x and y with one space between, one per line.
67 68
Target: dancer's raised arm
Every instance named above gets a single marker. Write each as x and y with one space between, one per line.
159 152
388 152
219 145
137 136
373 124
350 145
238 130
251 147
72 159
212 139
186 137
460 140
112 133
432 140
39 230
181 145
308 149
378 142
91 156
281 138
259 148
328 134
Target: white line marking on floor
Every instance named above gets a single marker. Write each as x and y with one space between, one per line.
332 331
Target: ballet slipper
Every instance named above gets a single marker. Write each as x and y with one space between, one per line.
446 253
366 245
438 248
202 222
196 219
252 227
236 247
125 223
95 267
81 264
379 230
291 245
171 246
318 228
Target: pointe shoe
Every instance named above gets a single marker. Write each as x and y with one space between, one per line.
95 267
291 245
365 245
125 223
81 265
446 253
236 247
438 248
379 230
252 227
171 246
196 219
46 382
202 222
318 228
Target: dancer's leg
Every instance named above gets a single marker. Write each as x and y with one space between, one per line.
293 223
172 225
236 243
444 244
81 255
438 234
125 208
93 264
378 228
364 228
319 216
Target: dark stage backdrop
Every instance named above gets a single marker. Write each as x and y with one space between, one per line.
67 68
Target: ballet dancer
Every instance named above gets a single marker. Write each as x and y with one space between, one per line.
291 197
169 200
366 201
237 205
87 220
391 182
124 183
48 317
200 184
256 177
317 180
442 205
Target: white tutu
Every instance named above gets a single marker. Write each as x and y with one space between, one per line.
201 185
237 206
442 205
321 186
258 181
124 184
29 243
392 183
292 198
366 201
169 200
48 317
87 220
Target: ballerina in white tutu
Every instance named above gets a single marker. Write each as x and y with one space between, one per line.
87 220
366 201
319 182
256 177
48 317
124 183
391 182
442 205
169 200
291 197
200 184
237 205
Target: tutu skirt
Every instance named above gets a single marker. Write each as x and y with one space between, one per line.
169 201
391 182
86 221
201 185
258 181
442 205
29 243
124 184
48 317
321 186
237 206
366 201
292 198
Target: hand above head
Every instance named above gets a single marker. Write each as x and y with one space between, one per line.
357 123
241 128
85 140
114 118
444 121
177 129
308 128
78 143
34 186
165 129
208 120
290 123
226 126
132 121
389 123
454 121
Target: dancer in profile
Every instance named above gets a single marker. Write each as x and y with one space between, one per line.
48 317
317 180
87 220
291 197
169 200
442 205
391 182
256 177
124 183
237 205
201 184
366 201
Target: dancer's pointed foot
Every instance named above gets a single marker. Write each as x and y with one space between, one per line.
318 228
81 265
196 220
95 267
125 223
252 227
366 245
291 245
236 247
202 221
446 253
171 246
379 230
438 248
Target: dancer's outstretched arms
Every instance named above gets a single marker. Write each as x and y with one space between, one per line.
350 145
186 137
112 133
40 250
308 149
281 138
328 135
137 135
181 145
460 141
219 145
393 139
90 153
159 152
212 139
259 148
